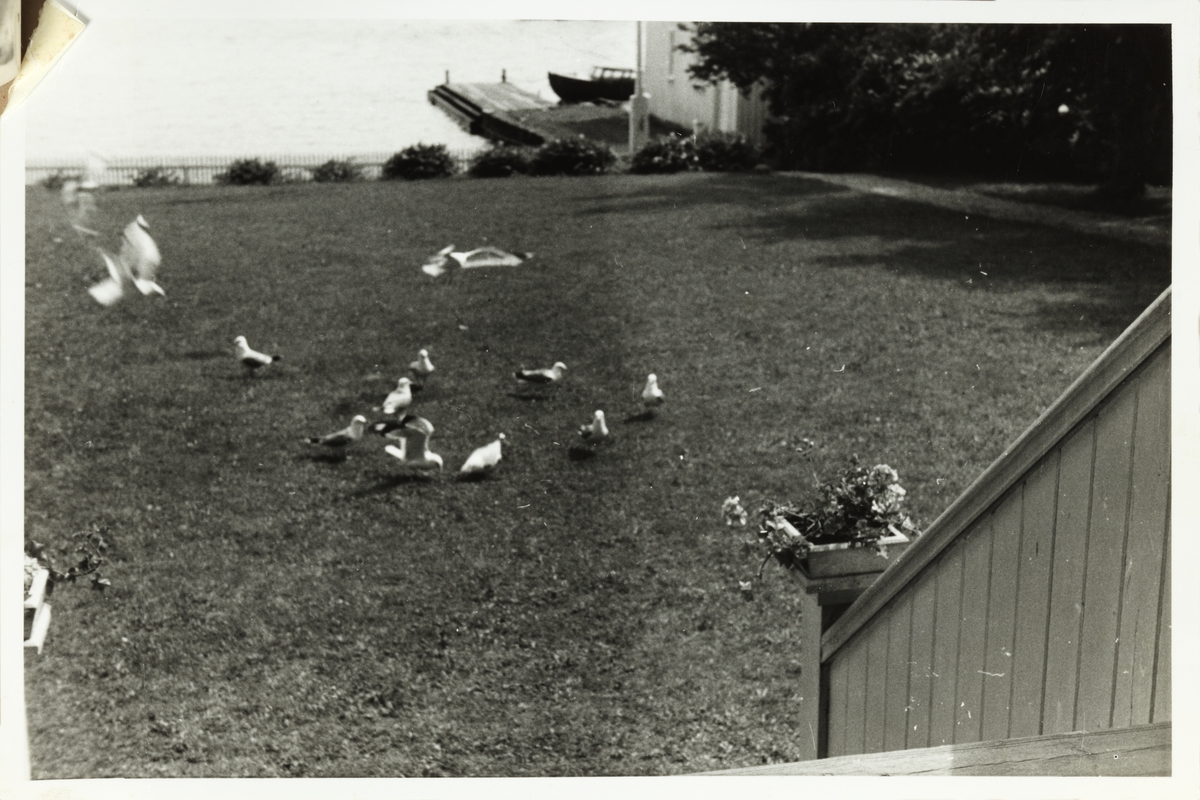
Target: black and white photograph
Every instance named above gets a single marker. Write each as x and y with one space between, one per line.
10 39
589 397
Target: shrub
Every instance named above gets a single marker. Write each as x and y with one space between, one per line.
418 162
571 157
249 172
335 171
668 154
499 161
725 152
55 182
155 176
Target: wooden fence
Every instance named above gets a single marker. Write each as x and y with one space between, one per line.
1039 602
200 170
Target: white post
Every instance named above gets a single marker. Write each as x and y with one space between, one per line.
639 105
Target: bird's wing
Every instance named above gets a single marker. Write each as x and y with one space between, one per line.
106 292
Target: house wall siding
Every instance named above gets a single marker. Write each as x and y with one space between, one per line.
1048 614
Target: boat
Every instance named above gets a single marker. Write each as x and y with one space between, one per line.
606 83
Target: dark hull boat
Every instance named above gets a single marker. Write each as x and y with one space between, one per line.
606 83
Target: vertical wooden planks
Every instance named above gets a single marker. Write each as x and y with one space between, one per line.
945 645
1148 505
1001 617
836 721
1162 665
1105 556
809 683
856 696
895 722
876 636
1066 594
1033 598
977 551
920 682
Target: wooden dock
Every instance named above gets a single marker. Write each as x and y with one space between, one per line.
489 109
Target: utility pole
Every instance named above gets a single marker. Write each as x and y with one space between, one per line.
639 105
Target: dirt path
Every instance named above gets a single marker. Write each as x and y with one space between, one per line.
971 202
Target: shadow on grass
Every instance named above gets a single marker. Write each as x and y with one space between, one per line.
641 416
393 482
325 457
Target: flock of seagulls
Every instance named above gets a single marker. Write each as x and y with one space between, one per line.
407 435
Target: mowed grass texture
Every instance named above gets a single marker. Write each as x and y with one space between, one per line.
276 614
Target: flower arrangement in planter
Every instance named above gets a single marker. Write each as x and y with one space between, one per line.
857 518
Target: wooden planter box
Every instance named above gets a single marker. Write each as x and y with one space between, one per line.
836 560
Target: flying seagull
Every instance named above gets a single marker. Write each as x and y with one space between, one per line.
402 428
471 259
422 367
400 397
343 437
542 376
140 255
112 288
425 459
483 460
596 430
652 395
252 359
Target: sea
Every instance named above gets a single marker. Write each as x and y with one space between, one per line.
245 87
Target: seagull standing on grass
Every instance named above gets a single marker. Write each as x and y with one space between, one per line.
652 395
595 431
483 460
400 397
343 437
252 359
422 367
542 377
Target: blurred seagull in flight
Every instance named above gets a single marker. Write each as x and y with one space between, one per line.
479 257
343 437
596 430
422 367
135 264
542 376
400 397
402 428
81 206
483 460
112 288
425 458
252 359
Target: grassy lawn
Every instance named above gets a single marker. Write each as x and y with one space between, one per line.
274 614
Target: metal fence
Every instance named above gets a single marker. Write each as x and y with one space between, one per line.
199 170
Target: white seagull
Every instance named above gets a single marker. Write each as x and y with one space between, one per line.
652 395
596 430
422 367
427 459
140 255
479 257
252 359
404 427
112 288
400 397
542 376
343 437
483 460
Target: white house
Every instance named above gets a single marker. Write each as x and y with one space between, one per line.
676 97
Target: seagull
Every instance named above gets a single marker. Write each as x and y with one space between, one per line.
422 367
596 430
343 437
427 459
487 256
400 429
652 395
140 255
542 376
112 288
483 460
400 398
252 359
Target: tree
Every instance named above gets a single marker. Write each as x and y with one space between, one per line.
1066 101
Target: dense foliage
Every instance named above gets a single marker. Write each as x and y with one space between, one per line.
86 551
155 176
571 157
249 172
420 162
717 151
337 171
666 154
1022 101
499 161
